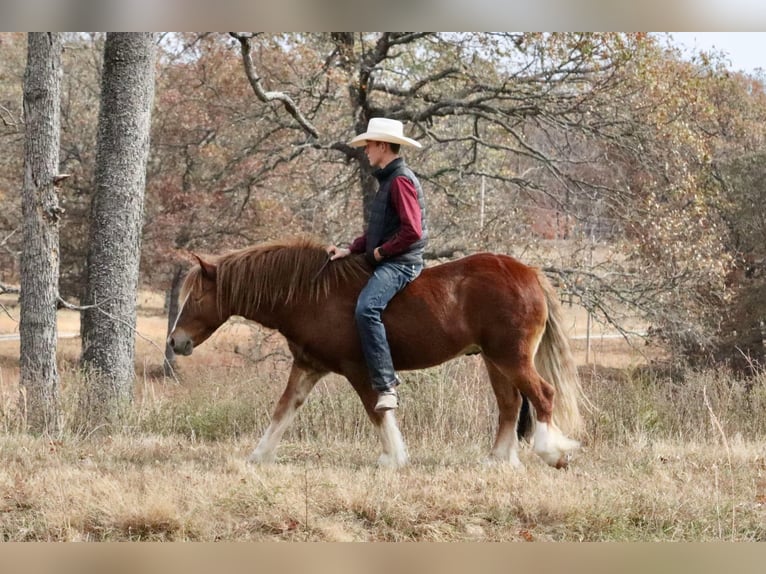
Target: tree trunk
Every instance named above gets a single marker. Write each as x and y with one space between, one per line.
108 327
40 215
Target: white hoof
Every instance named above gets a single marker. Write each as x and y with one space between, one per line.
388 461
512 462
261 457
552 446
556 459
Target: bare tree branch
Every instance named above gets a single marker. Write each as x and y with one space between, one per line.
8 118
7 312
97 307
5 239
263 95
8 289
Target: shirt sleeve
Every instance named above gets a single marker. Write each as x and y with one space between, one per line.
404 198
358 245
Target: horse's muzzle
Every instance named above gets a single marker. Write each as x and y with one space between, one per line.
181 345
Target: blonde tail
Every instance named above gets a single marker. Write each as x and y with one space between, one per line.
555 363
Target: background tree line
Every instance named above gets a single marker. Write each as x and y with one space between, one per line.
544 146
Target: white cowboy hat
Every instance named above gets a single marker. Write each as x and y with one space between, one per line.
384 130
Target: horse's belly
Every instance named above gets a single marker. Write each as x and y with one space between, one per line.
420 356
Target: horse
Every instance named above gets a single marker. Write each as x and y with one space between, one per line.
484 303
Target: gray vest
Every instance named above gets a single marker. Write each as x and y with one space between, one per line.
384 221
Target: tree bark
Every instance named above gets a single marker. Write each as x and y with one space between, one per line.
108 325
40 221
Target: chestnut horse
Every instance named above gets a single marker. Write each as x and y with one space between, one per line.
482 303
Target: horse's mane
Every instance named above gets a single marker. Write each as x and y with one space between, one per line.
277 273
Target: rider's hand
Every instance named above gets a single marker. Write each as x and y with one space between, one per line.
337 252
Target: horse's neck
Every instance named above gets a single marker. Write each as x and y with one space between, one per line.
268 318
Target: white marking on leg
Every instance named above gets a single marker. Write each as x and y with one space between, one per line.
552 446
513 461
513 458
264 452
506 449
394 452
298 387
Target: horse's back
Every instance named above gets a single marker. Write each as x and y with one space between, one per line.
464 305
478 276
487 264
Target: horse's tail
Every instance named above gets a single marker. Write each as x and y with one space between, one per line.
555 363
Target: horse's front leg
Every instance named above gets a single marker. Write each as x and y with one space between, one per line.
394 453
302 379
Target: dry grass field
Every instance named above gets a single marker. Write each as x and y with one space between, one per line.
666 457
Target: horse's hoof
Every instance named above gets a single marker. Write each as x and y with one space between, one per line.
557 458
388 461
563 461
257 458
512 462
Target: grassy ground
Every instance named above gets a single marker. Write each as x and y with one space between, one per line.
678 457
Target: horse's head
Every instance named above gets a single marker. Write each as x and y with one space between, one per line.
199 316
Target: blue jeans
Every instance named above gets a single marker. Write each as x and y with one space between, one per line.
387 280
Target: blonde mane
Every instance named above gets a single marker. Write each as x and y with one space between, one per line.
276 273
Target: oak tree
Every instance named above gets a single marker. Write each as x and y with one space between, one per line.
114 249
40 252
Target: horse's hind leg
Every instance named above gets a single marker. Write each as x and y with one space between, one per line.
506 447
299 384
549 443
394 453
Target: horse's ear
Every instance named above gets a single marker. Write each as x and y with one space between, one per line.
208 269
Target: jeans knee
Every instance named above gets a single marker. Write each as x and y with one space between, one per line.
364 313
